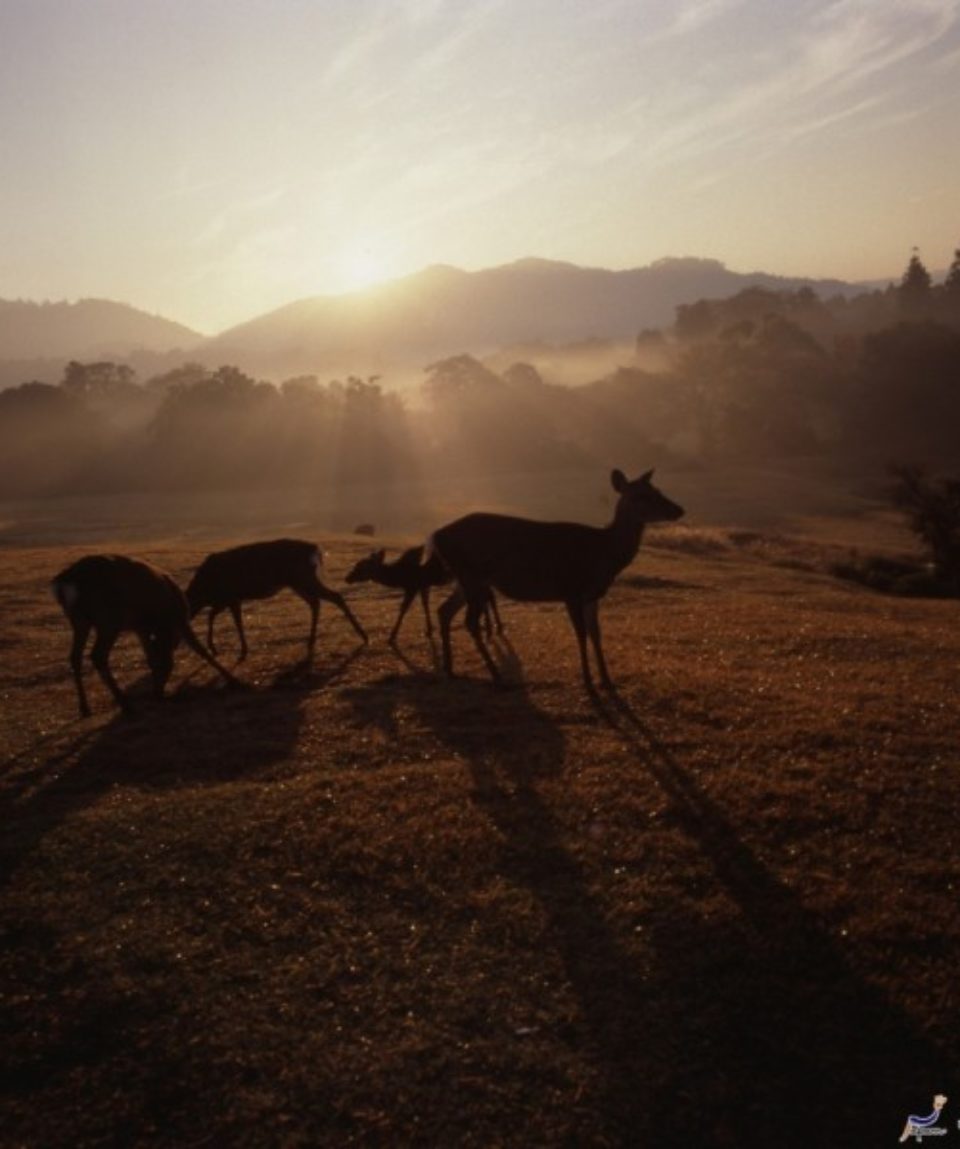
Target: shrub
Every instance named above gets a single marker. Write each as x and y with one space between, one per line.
932 508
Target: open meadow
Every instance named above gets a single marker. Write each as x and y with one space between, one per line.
360 904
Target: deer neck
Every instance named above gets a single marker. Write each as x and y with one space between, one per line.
624 536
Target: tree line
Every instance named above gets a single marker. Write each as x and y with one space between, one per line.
760 376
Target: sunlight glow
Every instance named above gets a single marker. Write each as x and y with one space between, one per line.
392 137
361 267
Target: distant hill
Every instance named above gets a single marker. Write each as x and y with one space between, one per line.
443 311
36 339
87 329
394 327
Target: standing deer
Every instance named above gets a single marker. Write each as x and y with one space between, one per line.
535 561
227 579
413 576
110 594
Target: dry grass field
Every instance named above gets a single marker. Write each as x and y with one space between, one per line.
363 905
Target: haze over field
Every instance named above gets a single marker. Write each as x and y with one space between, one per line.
213 161
346 271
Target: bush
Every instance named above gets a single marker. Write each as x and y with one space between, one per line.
933 512
894 576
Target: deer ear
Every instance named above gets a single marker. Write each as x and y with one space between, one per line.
618 481
380 555
647 477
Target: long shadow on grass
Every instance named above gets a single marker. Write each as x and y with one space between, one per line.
71 1019
768 1033
510 747
201 735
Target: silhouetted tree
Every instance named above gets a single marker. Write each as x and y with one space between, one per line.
47 437
97 381
915 287
184 376
951 285
906 400
694 320
933 512
523 375
457 374
301 387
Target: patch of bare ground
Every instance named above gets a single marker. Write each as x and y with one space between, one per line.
360 904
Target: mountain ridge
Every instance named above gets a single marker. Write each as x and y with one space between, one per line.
408 321
445 311
88 326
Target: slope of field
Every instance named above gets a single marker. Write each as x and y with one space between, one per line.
365 905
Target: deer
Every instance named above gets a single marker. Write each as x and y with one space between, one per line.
534 561
414 576
110 594
227 579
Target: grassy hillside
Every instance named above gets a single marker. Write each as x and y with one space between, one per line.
365 905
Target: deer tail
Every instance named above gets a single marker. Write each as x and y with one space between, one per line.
66 593
432 555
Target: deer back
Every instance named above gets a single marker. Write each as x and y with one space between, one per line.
538 561
254 571
526 559
120 592
409 571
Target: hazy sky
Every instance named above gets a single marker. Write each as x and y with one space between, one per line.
213 159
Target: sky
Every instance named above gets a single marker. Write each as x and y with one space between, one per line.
212 160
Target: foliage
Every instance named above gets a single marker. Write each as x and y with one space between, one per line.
951 284
480 421
915 287
932 507
905 397
763 376
47 435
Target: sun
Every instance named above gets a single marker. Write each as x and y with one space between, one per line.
361 267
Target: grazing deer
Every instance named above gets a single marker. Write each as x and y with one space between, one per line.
413 576
110 594
546 562
229 578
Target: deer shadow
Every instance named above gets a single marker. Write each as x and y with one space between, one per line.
199 735
765 1030
755 1029
511 747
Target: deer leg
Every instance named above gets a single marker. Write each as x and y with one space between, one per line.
158 651
485 616
425 600
496 612
214 611
186 633
446 613
236 611
408 597
575 609
592 619
328 595
476 607
338 600
100 657
81 632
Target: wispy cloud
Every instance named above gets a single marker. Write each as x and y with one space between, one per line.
840 66
691 18
238 218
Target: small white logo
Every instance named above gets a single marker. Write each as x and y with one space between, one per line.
921 1127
